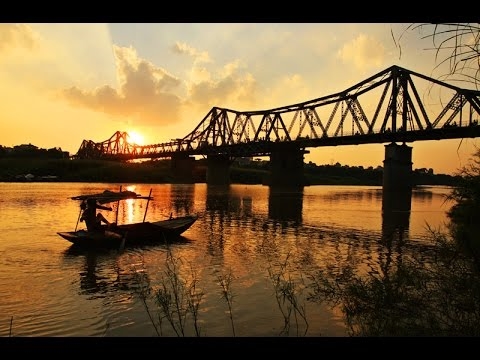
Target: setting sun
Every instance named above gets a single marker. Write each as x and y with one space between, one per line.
136 138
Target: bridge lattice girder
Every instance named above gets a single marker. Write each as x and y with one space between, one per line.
348 117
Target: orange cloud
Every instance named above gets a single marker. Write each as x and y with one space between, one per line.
234 91
149 95
229 87
146 92
17 35
199 56
364 52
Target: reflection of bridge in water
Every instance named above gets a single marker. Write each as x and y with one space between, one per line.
226 210
285 208
102 275
386 108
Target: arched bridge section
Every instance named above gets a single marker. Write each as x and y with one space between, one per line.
394 106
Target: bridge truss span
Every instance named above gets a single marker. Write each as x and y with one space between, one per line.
395 105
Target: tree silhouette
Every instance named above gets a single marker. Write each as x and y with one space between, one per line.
455 44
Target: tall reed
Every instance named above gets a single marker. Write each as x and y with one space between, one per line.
286 294
178 299
225 282
144 293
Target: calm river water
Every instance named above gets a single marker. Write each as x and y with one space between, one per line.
245 233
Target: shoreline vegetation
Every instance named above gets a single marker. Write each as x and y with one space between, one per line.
30 163
21 169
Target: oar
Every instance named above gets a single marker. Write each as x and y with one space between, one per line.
118 205
79 214
146 207
122 244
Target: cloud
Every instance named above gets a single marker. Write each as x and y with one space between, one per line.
146 93
363 52
17 36
298 91
226 87
199 56
150 95
229 87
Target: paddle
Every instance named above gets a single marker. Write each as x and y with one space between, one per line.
79 214
122 244
146 208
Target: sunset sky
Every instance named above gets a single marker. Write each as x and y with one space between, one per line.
65 83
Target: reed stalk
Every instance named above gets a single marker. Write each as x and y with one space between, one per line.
194 299
176 298
286 295
225 282
143 292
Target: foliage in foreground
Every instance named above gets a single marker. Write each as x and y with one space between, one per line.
178 297
456 45
438 298
434 295
465 213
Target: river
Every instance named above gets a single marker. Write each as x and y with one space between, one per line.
247 240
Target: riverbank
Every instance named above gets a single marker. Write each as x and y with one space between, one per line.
159 172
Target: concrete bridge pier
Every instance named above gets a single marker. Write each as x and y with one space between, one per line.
182 169
397 178
218 170
286 168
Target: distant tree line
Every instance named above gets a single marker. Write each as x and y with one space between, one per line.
32 151
338 174
29 159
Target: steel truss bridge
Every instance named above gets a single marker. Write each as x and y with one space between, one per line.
395 105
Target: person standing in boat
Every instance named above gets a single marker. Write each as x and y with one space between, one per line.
92 219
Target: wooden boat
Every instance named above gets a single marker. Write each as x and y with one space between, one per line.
119 236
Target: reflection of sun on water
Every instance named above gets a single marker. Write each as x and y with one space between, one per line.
131 209
129 205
